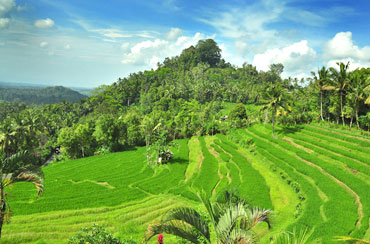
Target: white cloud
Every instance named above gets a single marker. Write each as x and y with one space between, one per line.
4 22
6 6
44 23
353 64
43 44
173 34
125 46
148 53
296 58
342 46
112 33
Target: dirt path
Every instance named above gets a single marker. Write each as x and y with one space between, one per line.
356 197
360 211
291 141
341 134
337 154
220 176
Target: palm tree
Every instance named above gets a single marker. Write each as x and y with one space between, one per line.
7 135
358 86
321 82
295 237
347 239
276 98
231 220
14 169
340 81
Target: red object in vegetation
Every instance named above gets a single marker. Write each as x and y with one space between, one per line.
160 239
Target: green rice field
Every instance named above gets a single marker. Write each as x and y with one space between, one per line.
310 176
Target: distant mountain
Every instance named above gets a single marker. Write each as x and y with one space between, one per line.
21 93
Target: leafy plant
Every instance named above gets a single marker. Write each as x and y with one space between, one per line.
229 216
95 235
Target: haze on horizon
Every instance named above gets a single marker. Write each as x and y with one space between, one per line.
87 43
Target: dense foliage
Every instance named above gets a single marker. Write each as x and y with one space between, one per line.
187 95
39 96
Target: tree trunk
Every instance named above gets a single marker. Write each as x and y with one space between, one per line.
350 123
322 117
341 107
273 121
358 123
3 208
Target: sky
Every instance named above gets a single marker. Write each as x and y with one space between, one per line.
87 43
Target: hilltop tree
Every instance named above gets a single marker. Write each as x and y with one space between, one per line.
207 51
14 169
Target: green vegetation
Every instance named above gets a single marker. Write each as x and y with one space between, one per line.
232 221
135 149
38 96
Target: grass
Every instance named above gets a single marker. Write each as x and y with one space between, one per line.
311 176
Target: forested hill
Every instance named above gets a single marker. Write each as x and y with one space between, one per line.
186 95
38 96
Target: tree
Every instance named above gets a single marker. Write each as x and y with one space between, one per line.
230 217
340 81
321 82
275 95
207 51
238 116
110 131
295 237
358 86
16 169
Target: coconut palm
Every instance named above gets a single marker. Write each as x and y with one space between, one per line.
276 98
347 239
301 237
321 82
340 81
15 169
232 222
358 87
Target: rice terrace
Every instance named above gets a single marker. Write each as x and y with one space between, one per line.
183 121
312 176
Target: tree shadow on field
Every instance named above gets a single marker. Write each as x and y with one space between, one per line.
178 161
286 130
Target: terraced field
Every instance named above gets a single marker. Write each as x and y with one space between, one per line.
310 176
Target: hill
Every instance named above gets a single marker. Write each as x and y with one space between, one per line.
39 96
308 176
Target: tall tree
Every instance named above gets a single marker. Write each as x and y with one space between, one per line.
340 82
357 94
275 95
16 169
321 82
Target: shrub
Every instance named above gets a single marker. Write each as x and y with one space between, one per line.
95 235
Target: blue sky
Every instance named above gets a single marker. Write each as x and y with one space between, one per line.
87 43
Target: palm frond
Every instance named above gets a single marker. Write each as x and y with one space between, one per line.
32 178
348 239
190 216
174 227
228 221
367 101
207 204
257 215
295 238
